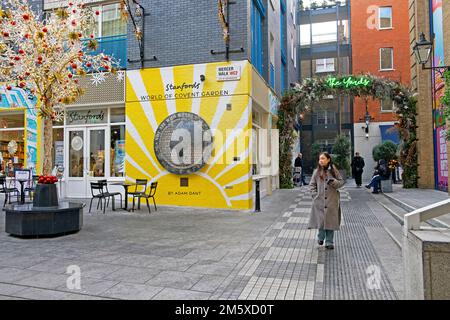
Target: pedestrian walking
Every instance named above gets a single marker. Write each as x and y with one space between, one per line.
326 209
358 168
298 169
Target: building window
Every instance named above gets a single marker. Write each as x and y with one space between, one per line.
272 62
387 105
325 117
257 18
385 14
283 33
12 151
283 77
386 59
325 65
109 21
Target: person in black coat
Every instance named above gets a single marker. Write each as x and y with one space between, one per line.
358 168
299 164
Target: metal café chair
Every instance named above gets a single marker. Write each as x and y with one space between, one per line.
8 191
97 190
110 194
139 191
150 194
32 186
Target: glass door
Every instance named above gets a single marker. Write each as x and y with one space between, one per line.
76 162
97 161
88 159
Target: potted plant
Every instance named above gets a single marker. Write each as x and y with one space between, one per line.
46 194
341 155
388 152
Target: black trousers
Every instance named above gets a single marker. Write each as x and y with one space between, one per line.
358 178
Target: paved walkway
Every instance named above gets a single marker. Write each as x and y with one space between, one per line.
186 253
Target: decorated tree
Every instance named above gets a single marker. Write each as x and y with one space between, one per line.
47 54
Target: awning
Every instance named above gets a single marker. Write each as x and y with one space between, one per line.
389 132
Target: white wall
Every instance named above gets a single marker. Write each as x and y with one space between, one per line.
365 146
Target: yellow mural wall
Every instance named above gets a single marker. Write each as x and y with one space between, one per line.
223 102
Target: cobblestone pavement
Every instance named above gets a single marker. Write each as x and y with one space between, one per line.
187 253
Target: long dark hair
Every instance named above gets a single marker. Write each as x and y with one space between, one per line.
331 167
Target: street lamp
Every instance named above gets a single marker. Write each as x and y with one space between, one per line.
422 50
367 118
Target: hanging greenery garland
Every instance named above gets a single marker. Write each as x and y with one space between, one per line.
300 99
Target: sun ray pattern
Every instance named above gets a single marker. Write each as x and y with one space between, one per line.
154 94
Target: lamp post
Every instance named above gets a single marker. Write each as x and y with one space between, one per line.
423 50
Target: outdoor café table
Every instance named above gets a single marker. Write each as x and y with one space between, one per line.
125 185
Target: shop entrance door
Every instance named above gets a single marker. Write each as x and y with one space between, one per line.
87 159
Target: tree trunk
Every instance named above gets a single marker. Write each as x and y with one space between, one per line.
47 164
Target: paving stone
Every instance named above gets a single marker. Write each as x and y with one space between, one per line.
13 275
132 274
208 283
174 279
176 294
132 291
90 286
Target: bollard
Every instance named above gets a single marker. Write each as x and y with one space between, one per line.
257 200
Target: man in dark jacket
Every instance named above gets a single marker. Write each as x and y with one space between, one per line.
357 168
299 164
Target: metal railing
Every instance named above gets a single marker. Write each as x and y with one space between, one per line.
414 219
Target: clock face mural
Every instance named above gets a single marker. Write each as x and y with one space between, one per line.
183 143
189 128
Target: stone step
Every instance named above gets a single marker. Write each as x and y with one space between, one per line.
441 222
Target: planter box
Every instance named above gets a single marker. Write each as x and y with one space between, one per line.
386 186
45 195
29 221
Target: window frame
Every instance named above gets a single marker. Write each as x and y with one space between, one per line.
387 111
326 64
392 59
379 18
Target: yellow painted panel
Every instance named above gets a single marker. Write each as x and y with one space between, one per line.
153 94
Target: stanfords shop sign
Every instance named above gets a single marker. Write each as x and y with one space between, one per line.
347 83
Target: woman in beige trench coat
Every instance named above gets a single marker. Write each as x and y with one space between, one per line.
326 209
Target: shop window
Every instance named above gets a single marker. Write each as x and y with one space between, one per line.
12 151
117 115
58 147
117 151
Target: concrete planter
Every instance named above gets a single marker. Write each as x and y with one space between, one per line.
46 195
386 186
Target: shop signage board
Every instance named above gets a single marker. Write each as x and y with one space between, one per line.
81 117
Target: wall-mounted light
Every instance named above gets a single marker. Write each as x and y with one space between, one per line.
423 50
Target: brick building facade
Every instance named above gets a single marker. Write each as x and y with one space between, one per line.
380 46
